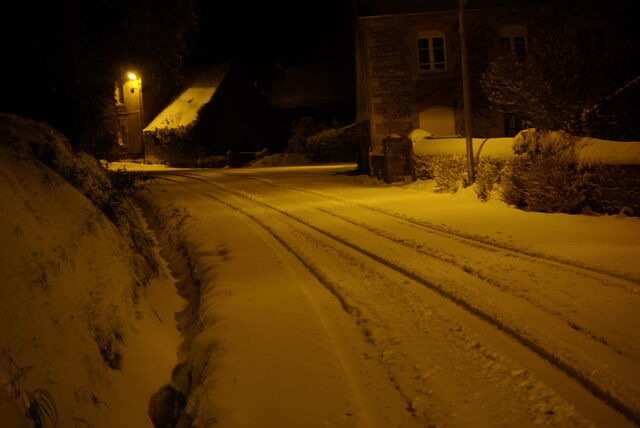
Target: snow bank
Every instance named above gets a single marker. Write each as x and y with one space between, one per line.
281 159
587 150
69 290
592 151
500 148
28 139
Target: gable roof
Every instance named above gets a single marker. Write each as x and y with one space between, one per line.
202 84
312 85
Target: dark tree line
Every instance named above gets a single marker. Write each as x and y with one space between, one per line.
61 58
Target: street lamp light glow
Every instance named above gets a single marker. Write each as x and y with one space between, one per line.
132 76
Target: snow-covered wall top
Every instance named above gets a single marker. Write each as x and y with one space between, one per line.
592 150
587 150
482 147
183 110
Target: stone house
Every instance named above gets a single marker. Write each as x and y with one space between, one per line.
408 66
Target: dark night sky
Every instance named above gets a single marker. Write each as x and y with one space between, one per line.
263 35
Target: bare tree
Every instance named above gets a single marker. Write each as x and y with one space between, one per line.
565 82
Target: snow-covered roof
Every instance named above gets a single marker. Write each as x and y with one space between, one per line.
201 88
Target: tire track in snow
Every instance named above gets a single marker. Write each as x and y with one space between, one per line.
449 259
333 288
536 348
465 238
618 346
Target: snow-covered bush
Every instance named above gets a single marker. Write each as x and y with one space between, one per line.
546 184
448 171
422 167
176 146
488 177
324 146
122 210
301 130
319 141
545 175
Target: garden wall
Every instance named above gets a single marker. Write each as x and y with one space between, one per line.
548 172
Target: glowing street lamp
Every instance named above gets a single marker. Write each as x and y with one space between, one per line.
133 77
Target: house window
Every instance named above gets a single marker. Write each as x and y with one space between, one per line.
432 55
513 40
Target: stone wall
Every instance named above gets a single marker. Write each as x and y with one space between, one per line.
613 189
398 90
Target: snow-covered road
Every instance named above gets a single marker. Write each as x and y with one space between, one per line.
327 303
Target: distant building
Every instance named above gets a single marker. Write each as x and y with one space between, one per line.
322 91
408 68
127 117
221 110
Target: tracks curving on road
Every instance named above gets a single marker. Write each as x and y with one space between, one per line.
457 321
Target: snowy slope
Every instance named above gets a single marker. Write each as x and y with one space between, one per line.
76 327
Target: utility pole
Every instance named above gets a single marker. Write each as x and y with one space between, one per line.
466 97
144 150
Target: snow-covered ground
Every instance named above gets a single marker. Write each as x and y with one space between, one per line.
334 300
82 342
317 298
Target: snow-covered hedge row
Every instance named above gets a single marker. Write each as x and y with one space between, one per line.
540 171
175 146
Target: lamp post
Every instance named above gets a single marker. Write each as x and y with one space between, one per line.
134 78
466 97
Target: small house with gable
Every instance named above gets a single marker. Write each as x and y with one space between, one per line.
217 111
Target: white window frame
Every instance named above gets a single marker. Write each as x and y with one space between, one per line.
431 65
